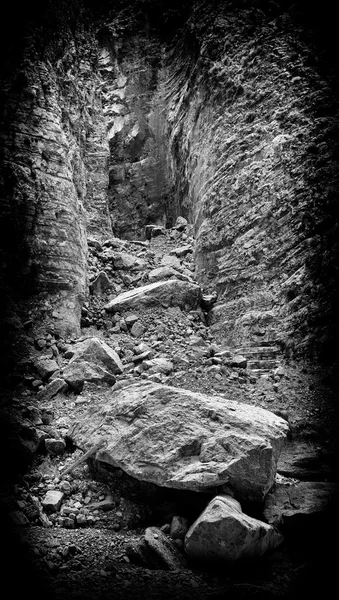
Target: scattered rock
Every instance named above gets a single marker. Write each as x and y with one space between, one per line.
159 365
161 273
224 533
46 367
100 284
179 528
238 361
18 518
55 447
137 329
180 224
176 438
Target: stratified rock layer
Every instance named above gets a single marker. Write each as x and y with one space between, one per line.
176 438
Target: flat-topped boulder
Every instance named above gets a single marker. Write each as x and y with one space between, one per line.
180 439
172 292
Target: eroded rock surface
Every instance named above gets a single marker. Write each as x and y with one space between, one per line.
175 438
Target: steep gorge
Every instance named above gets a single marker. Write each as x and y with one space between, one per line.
115 116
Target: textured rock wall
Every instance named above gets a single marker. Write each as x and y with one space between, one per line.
253 122
54 169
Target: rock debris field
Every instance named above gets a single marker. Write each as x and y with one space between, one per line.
165 465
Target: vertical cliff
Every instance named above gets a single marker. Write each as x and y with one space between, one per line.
252 124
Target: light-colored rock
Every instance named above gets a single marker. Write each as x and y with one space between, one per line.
52 500
131 319
77 373
238 361
159 365
161 273
171 261
224 533
137 329
123 260
167 293
180 223
97 352
177 438
46 366
301 504
182 251
53 388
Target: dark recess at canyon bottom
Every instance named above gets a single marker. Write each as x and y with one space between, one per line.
169 299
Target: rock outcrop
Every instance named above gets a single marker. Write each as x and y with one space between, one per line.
224 533
175 438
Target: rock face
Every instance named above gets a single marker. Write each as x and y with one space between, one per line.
303 504
224 533
176 438
171 292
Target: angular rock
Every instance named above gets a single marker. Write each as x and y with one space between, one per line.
137 329
179 528
53 388
52 500
164 549
123 260
77 373
161 273
182 251
177 438
18 518
303 460
171 261
100 284
238 361
302 504
224 533
131 319
153 231
55 447
159 365
97 352
46 366
104 505
167 293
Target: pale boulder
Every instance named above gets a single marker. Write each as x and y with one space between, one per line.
224 533
96 351
171 292
180 439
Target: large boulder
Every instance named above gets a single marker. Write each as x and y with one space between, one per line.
172 292
177 438
224 533
96 351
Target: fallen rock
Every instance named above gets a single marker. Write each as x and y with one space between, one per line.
137 329
18 518
179 528
182 251
238 361
97 352
180 223
53 388
159 365
177 438
46 366
170 261
52 500
77 373
167 293
153 231
224 533
304 460
161 273
55 447
131 319
300 505
100 284
165 549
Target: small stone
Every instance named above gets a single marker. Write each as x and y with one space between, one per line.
131 319
179 528
65 487
52 500
137 329
18 518
180 223
81 520
55 447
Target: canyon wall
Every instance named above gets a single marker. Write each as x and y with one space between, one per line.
253 130
223 112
